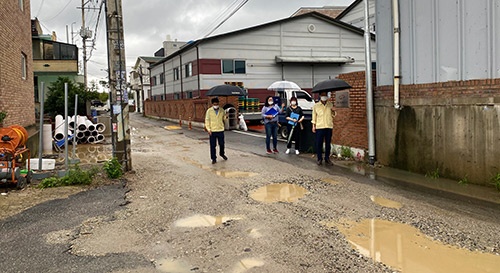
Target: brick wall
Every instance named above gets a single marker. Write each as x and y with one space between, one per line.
350 124
16 93
185 109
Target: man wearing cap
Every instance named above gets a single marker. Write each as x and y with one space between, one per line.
214 124
322 125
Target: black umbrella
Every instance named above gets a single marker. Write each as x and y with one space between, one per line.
226 90
330 85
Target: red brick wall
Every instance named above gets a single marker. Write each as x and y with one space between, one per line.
350 124
443 90
185 109
16 94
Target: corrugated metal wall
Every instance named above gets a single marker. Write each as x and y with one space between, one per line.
441 40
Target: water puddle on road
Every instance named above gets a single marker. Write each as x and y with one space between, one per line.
246 264
172 127
381 201
223 173
201 220
172 266
406 249
281 192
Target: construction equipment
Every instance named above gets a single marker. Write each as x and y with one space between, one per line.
14 156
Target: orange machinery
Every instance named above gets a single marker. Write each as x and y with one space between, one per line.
12 156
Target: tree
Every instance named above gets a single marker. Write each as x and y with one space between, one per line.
54 104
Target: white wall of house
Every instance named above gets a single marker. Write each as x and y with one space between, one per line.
446 40
356 16
303 37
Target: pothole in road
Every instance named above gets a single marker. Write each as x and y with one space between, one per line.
201 220
384 202
281 192
406 249
172 127
172 266
245 264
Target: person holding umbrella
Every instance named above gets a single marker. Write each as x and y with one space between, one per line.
323 114
322 125
214 124
294 116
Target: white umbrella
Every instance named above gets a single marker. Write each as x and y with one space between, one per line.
284 85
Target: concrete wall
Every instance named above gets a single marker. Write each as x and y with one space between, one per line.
451 127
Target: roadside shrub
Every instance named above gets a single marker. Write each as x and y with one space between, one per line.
75 176
496 181
346 152
113 168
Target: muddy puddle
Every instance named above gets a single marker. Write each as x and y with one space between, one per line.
244 265
201 220
172 266
384 202
405 248
173 127
281 192
223 173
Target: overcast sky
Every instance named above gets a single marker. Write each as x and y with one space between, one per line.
148 22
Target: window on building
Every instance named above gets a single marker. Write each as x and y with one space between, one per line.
188 69
162 77
233 66
176 74
21 5
24 67
153 80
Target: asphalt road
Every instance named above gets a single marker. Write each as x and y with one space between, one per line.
39 239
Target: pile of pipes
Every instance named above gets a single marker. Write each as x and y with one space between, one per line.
80 128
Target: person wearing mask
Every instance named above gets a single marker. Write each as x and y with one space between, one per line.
295 117
214 125
322 125
270 113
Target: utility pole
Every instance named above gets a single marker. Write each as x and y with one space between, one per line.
85 33
118 83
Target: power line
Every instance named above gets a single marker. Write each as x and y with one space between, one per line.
95 30
219 16
229 16
69 2
39 8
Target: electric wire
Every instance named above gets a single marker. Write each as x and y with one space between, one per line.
69 2
39 8
95 30
219 17
227 18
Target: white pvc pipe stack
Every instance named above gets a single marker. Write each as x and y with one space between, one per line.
91 139
71 123
82 126
100 138
59 131
90 125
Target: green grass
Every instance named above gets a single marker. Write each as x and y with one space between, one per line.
113 168
433 174
346 152
75 176
495 180
464 181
